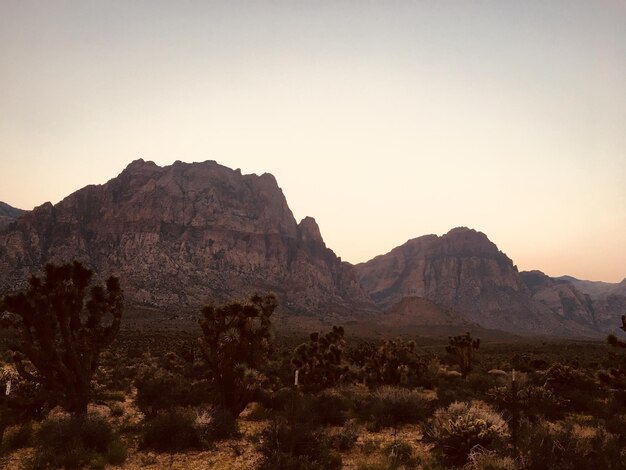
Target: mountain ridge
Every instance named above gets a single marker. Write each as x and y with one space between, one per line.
185 234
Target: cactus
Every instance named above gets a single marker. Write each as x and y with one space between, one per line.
61 336
320 360
460 351
235 345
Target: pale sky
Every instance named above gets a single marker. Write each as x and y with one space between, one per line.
383 120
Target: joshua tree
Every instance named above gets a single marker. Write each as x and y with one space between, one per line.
613 340
235 346
61 335
319 360
460 350
395 362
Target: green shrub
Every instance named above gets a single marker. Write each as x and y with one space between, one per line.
171 431
329 408
457 429
160 390
392 406
17 437
216 425
532 401
400 455
296 446
345 438
116 453
75 442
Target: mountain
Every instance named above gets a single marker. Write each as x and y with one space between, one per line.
562 297
181 235
593 288
8 214
465 272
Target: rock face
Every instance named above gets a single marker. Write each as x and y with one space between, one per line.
465 272
594 304
8 214
184 234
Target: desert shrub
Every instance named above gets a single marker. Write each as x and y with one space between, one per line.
17 437
345 438
171 431
392 406
216 424
400 455
480 458
569 446
163 390
279 399
26 400
457 429
574 387
329 408
296 446
532 401
116 453
75 442
116 410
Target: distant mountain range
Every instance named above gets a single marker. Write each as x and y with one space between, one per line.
186 234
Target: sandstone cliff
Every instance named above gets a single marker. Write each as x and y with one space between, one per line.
184 234
465 272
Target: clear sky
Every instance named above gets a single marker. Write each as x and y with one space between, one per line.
384 120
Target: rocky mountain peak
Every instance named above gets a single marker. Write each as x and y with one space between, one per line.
462 271
184 234
309 230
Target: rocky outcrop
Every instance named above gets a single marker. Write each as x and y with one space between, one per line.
184 234
594 289
464 272
595 304
8 214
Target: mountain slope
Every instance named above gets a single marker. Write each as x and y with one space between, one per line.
465 272
184 234
8 214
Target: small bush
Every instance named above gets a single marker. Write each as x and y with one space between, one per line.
329 408
296 446
116 453
457 429
75 442
533 401
216 425
391 406
116 410
17 437
568 446
345 438
172 431
164 391
482 459
400 455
